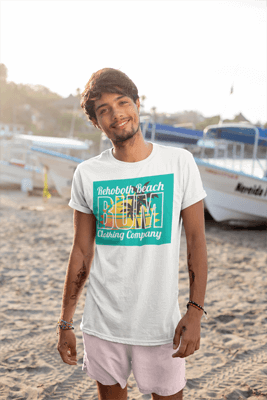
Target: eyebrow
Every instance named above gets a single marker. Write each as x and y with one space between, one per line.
106 104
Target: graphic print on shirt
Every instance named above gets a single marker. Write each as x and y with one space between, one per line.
135 211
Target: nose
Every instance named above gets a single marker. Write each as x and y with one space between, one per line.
116 114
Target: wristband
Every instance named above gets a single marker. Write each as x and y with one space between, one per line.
65 325
192 303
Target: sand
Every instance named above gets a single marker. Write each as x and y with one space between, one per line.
36 240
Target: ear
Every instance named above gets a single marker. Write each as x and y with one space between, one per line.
94 122
138 104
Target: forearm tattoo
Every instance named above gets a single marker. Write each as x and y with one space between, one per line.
79 282
191 272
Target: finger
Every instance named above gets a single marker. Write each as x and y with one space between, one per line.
198 345
181 344
73 352
177 342
190 350
68 360
66 356
72 357
178 336
181 351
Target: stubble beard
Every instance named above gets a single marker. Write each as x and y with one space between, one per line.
129 135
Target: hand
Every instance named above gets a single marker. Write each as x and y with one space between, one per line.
187 334
67 346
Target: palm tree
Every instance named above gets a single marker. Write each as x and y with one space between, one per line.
141 201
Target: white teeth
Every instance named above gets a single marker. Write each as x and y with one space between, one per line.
123 123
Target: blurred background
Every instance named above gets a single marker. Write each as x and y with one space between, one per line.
193 62
196 64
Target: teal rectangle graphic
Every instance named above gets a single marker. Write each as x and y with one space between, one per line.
134 212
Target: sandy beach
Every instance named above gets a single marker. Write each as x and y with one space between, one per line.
36 239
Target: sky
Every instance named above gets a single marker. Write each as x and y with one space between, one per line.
182 55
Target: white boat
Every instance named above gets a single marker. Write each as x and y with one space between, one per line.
21 165
61 165
60 168
236 187
233 195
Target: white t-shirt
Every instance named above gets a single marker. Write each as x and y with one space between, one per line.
132 295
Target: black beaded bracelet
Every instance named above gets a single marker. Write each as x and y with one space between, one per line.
196 306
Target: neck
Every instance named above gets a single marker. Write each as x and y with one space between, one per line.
132 150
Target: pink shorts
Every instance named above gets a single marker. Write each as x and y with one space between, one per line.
154 369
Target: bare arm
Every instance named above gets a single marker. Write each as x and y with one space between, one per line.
188 329
80 261
194 224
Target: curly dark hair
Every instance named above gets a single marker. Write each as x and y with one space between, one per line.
108 80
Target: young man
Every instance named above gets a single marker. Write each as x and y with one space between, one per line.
129 205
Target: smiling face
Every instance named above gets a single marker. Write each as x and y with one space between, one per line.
117 116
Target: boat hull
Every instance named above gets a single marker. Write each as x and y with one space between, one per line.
60 170
233 196
14 175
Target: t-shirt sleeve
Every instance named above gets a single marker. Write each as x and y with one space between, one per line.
78 201
193 190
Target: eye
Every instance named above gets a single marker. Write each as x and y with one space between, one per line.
123 102
102 111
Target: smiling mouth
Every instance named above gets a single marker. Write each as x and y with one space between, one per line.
122 124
